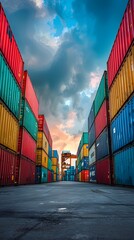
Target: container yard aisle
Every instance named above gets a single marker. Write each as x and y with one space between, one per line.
66 210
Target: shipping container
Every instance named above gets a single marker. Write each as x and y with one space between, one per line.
9 167
54 161
102 93
55 154
92 154
42 126
49 176
102 118
49 164
85 176
9 129
54 168
49 151
26 145
42 141
91 117
124 166
91 136
28 120
84 151
10 92
102 145
41 175
9 48
103 172
92 171
122 127
27 171
41 158
85 163
30 94
84 140
123 85
80 177
55 177
123 41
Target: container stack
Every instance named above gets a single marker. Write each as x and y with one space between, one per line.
69 174
11 74
121 99
44 171
28 132
82 159
55 165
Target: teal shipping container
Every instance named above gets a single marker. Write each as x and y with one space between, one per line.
28 120
49 166
10 92
124 166
102 93
41 175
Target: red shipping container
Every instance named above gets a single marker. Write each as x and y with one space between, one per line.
30 94
27 171
103 171
42 126
9 48
9 167
123 41
85 176
49 176
26 145
102 119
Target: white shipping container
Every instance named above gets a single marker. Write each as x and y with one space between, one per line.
92 155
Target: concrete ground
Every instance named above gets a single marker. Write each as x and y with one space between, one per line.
66 210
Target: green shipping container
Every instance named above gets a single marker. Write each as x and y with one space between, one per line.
84 139
28 120
10 92
102 93
49 164
57 170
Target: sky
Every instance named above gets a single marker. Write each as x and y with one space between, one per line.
65 45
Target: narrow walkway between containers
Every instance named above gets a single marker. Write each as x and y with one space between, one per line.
66 210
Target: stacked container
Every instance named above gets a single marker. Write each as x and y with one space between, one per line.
121 99
55 165
44 171
11 73
82 159
28 131
69 174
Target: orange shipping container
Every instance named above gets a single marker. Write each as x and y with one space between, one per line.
123 86
80 177
54 168
55 177
42 158
55 161
42 142
84 151
9 129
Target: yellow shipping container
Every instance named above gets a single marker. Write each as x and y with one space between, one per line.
54 168
80 177
55 161
84 151
9 129
123 85
41 158
54 177
42 141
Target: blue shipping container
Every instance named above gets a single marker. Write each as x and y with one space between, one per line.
41 174
55 154
102 145
91 136
91 117
92 170
124 166
122 127
85 164
50 152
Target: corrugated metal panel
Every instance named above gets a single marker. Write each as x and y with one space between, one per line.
42 126
85 176
84 140
85 164
49 151
9 167
92 155
55 154
54 161
124 166
9 89
102 93
123 40
28 120
27 171
55 177
49 164
30 94
26 145
103 171
41 174
42 141
123 85
84 151
102 118
102 145
49 176
9 129
54 168
91 117
122 127
80 177
91 136
41 158
9 48
92 170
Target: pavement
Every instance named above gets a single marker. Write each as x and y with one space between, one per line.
66 210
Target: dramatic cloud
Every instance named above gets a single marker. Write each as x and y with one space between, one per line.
65 46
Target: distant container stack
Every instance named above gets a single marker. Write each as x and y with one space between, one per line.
121 91
55 165
11 74
82 159
44 172
28 132
69 174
